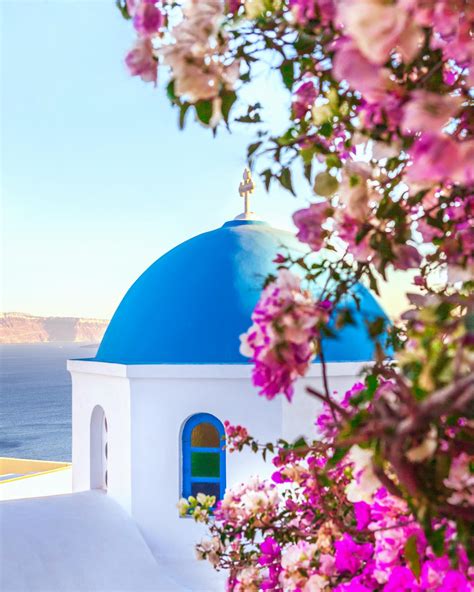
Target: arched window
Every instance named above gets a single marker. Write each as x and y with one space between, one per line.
203 456
98 449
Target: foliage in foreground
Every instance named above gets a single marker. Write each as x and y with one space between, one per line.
382 124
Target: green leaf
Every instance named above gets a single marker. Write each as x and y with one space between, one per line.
411 555
287 70
252 148
339 454
182 114
170 91
204 111
300 443
285 180
305 43
122 6
436 539
333 161
326 130
267 176
228 99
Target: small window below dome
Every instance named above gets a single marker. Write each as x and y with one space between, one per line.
205 434
203 456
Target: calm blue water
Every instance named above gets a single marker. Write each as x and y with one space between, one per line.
35 399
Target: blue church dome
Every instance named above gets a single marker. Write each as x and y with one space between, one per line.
193 303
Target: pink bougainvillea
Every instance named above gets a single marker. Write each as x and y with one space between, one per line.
380 122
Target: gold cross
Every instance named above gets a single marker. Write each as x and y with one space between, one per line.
246 188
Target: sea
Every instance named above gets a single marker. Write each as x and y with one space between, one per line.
35 399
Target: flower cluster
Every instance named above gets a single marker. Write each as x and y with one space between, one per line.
303 533
236 436
198 57
282 339
381 120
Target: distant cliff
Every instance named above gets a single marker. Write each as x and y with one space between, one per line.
17 327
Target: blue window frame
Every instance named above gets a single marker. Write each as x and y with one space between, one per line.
203 451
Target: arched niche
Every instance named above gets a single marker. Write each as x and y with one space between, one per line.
98 449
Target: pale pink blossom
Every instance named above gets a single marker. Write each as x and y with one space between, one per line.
378 28
197 58
309 222
131 6
349 230
356 191
429 112
464 172
141 62
434 159
294 559
461 480
350 65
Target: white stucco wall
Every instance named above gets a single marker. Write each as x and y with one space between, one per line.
160 407
146 408
94 383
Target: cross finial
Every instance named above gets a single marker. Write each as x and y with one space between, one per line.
246 188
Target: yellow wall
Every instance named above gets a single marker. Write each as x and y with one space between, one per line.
20 466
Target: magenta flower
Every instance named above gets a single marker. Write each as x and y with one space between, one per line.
362 514
147 18
455 581
271 551
303 99
350 555
281 339
234 5
402 580
309 10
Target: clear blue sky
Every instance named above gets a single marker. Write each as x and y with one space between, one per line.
97 181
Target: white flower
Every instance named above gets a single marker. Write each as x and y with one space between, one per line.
209 549
316 583
298 556
365 483
183 506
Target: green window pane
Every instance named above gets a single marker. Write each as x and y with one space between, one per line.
205 464
205 435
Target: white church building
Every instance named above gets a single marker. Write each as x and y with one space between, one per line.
148 410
